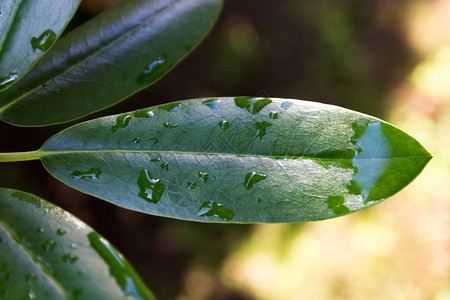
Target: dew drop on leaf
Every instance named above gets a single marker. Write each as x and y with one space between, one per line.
137 140
154 70
214 104
170 126
121 122
203 176
211 208
165 166
171 107
31 278
69 258
5 81
191 186
336 204
60 232
31 295
150 189
154 140
286 105
155 159
49 245
261 128
224 124
252 105
44 41
253 178
273 115
91 174
147 114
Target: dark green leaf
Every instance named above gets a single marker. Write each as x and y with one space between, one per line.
27 29
46 253
107 59
313 162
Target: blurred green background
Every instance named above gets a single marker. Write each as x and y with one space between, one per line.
386 58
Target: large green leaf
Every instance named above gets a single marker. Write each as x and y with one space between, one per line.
27 29
107 59
236 160
46 253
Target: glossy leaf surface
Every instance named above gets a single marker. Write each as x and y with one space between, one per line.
107 59
46 253
312 162
27 29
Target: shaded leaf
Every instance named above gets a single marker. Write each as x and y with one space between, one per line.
107 59
314 161
27 29
46 253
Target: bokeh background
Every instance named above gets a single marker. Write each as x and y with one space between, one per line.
386 58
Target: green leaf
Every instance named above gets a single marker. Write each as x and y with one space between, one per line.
107 59
46 253
27 29
313 162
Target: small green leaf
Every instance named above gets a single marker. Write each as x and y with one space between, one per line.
27 29
105 60
314 162
46 253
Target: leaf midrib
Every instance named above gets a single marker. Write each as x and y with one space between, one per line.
28 251
43 153
92 55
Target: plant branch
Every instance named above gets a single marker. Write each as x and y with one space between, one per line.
20 156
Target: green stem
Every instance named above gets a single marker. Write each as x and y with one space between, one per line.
20 156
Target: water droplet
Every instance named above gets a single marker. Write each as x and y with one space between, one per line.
165 166
154 70
69 258
40 230
137 140
203 176
119 268
224 124
252 105
25 242
191 186
31 278
171 107
259 200
211 208
370 142
336 204
155 159
170 126
73 246
253 178
31 295
91 174
44 41
147 114
286 105
154 140
150 189
5 81
273 115
261 128
121 122
60 232
49 245
214 104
